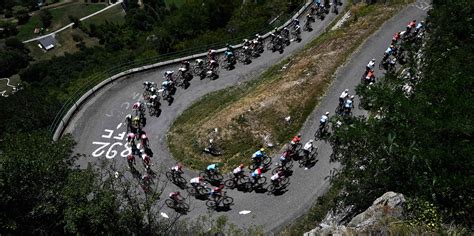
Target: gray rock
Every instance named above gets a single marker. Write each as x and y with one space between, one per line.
389 205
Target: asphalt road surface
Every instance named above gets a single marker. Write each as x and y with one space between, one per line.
100 134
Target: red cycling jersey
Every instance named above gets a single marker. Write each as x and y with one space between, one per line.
296 139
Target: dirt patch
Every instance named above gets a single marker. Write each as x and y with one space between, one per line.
258 114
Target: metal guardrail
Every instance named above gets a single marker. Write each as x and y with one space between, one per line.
99 80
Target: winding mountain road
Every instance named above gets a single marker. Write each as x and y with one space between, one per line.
98 130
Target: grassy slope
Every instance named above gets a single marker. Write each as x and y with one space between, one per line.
114 14
60 18
188 133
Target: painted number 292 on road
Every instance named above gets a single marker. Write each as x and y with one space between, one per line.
111 149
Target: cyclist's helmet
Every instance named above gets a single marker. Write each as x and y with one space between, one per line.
311 141
262 149
241 165
299 135
327 113
352 96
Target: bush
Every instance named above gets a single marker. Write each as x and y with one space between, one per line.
9 29
15 43
21 14
46 18
74 20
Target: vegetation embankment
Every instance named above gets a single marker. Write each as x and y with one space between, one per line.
251 114
420 143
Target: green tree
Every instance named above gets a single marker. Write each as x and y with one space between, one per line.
21 14
15 43
11 61
33 172
418 144
9 29
76 22
46 17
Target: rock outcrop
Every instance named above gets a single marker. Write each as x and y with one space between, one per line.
374 219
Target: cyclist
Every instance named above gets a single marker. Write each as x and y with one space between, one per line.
388 52
370 65
277 177
256 174
148 84
259 38
146 179
229 54
238 171
213 65
168 75
370 77
144 140
131 161
296 140
166 85
285 157
154 100
130 137
212 169
199 63
211 54
176 197
152 90
411 25
186 66
136 121
216 192
308 147
395 37
343 97
323 121
419 26
137 106
309 18
349 104
197 182
296 21
258 155
297 31
128 120
177 169
146 161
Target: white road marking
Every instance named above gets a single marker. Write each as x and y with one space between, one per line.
119 125
164 215
136 96
423 5
120 136
244 212
109 135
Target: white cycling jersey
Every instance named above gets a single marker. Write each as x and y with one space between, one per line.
195 180
324 118
275 177
237 170
371 64
344 94
308 146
